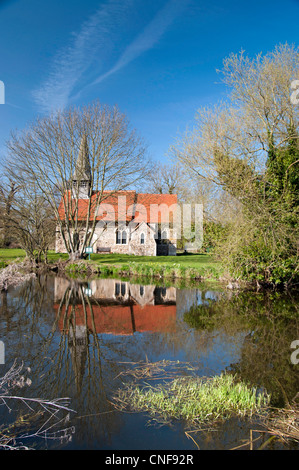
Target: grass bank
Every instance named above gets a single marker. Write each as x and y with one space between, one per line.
8 255
192 266
17 255
182 266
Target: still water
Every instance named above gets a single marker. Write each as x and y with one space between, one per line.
79 338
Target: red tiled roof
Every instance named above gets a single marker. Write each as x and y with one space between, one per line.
146 207
156 207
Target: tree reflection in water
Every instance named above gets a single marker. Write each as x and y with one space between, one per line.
271 323
78 337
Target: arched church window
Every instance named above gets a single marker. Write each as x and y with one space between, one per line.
120 289
164 235
121 237
142 239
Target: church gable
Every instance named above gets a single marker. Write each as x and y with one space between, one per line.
143 240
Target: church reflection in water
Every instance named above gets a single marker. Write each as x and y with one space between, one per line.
108 306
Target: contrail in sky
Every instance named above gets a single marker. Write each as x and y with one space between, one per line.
70 63
146 40
93 43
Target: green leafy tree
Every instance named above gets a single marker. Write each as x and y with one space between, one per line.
247 147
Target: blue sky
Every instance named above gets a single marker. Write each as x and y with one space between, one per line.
155 59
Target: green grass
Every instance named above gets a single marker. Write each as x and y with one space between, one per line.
180 266
190 260
193 399
191 266
10 254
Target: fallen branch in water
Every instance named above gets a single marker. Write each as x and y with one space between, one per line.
163 369
42 418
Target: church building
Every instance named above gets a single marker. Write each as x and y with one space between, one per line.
126 221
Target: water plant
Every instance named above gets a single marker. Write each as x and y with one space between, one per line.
193 399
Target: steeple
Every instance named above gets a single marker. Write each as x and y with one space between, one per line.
82 173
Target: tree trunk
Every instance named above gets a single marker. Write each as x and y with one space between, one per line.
75 256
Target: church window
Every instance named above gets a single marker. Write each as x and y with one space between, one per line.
164 235
121 237
123 289
120 289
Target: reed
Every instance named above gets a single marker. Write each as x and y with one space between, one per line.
193 399
283 424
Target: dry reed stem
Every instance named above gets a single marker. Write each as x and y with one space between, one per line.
284 424
155 370
46 411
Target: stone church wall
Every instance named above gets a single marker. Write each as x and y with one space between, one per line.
106 238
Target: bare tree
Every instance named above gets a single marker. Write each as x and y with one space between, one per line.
31 222
172 178
165 179
8 192
72 157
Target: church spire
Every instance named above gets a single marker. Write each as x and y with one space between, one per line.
82 173
82 170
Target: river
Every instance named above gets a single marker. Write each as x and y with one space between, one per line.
78 338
